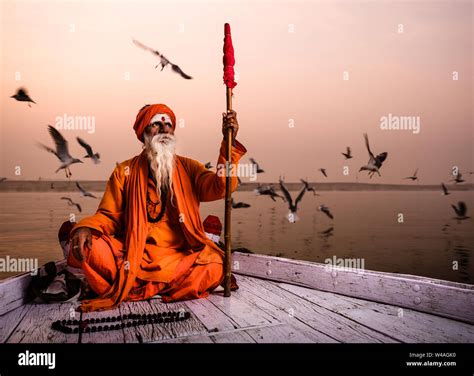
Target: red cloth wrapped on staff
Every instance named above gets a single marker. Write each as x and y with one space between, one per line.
228 58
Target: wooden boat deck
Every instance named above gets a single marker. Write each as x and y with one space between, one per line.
260 311
279 300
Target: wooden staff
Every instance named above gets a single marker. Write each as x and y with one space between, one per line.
229 62
228 203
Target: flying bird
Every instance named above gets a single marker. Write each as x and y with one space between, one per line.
460 210
323 171
326 211
61 152
208 165
375 163
72 203
293 206
267 191
239 205
445 189
84 193
22 96
308 188
458 178
90 154
347 154
163 60
257 167
413 177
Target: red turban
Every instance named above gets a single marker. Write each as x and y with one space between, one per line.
146 114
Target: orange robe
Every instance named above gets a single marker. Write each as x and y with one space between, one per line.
134 259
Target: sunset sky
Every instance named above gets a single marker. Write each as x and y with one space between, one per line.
296 111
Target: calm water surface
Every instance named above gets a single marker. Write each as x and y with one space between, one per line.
365 226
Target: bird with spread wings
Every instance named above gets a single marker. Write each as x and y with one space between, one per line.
163 60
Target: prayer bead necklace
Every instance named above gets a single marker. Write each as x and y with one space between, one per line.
118 322
164 194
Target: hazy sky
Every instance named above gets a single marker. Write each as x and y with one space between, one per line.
296 111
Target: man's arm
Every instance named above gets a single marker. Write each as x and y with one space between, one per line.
210 186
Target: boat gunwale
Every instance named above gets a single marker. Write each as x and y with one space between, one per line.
438 297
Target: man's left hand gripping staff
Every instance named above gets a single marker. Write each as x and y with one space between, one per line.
229 120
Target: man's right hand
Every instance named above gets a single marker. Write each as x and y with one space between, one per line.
82 237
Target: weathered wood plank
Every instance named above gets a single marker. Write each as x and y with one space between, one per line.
240 335
277 309
188 339
213 318
241 312
282 333
219 315
275 333
111 336
35 327
13 290
443 298
9 321
160 332
284 309
234 336
308 317
403 324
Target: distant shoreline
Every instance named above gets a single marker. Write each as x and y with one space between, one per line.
99 186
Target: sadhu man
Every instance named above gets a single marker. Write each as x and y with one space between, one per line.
146 237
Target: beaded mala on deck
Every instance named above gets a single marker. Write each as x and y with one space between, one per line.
118 322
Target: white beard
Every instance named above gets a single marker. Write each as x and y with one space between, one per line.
160 151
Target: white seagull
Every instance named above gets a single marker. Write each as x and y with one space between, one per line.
256 165
61 152
458 178
347 154
460 210
374 163
413 177
325 210
308 188
22 96
163 60
445 189
90 154
293 206
72 203
84 193
267 191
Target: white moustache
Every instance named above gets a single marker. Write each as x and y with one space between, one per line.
163 138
